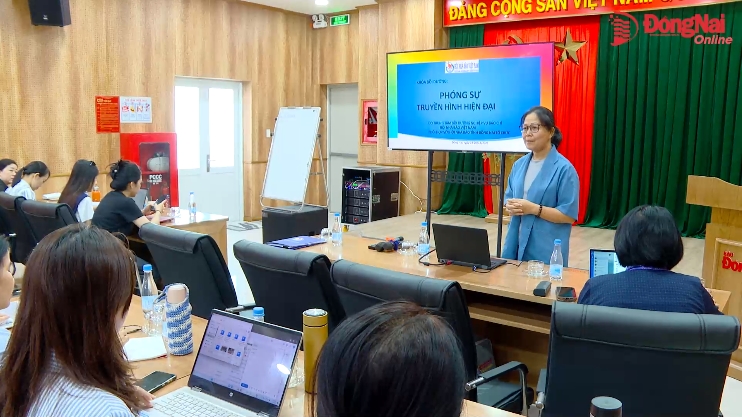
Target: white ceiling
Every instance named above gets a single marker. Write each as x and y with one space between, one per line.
308 6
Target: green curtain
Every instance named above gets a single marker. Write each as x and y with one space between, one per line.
457 198
666 108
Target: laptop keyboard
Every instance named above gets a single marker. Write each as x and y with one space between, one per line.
184 405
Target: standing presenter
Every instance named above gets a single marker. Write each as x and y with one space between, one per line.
542 195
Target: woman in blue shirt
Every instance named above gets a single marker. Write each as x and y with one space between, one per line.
649 245
29 179
542 193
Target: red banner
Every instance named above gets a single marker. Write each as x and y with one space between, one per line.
107 116
471 12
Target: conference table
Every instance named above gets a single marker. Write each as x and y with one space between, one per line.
295 402
501 303
214 225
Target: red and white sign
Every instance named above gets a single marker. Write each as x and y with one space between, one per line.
107 116
727 262
136 109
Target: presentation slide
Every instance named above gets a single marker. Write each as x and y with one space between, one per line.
468 99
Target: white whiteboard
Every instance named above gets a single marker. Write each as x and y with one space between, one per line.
292 150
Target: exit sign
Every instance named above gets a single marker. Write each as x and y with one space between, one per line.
339 20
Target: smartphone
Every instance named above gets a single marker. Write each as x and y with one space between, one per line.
162 198
567 294
155 381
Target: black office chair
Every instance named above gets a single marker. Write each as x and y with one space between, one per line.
287 282
44 218
657 364
195 260
16 227
361 286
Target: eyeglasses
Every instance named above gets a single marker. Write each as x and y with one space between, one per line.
92 163
532 128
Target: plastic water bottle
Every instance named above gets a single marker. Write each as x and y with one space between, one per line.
557 262
258 314
337 231
423 242
148 292
192 205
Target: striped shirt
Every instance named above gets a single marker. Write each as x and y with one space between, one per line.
62 397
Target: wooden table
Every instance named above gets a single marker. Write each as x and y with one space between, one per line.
214 225
501 302
294 404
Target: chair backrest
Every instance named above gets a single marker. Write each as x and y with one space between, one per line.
362 286
44 218
287 282
142 197
193 259
15 224
657 364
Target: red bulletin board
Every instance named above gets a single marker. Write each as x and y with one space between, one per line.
107 116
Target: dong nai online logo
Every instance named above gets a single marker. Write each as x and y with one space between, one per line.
454 67
728 263
704 29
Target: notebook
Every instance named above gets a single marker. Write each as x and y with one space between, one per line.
297 242
145 348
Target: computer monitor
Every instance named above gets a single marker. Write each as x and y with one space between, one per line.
603 262
245 362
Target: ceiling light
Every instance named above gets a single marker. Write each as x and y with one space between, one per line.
321 2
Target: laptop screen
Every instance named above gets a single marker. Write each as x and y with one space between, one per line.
603 262
245 362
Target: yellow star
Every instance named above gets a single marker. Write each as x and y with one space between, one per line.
568 48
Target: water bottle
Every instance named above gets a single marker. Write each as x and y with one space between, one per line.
423 242
557 262
148 292
192 205
258 314
337 231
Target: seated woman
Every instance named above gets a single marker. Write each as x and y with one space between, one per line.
118 213
75 193
358 371
7 283
8 168
29 179
649 245
63 360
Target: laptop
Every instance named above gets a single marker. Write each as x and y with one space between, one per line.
465 246
603 262
297 242
242 369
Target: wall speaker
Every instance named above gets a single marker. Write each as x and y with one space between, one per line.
50 12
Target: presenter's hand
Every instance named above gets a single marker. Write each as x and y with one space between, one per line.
520 207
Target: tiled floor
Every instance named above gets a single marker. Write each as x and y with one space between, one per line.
582 239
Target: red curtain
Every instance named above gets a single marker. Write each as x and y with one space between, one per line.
574 85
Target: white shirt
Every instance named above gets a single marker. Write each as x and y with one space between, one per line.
22 189
85 210
61 396
4 339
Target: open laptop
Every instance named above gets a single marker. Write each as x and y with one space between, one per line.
242 369
466 246
603 262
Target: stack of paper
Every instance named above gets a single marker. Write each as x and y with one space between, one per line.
144 348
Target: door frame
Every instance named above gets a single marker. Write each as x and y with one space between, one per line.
239 151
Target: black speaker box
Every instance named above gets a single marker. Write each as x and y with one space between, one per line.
50 12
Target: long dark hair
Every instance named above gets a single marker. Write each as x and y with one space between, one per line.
358 371
98 273
34 167
81 180
122 173
546 118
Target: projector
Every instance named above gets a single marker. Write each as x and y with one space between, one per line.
319 21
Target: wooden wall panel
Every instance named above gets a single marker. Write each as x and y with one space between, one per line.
368 66
339 45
